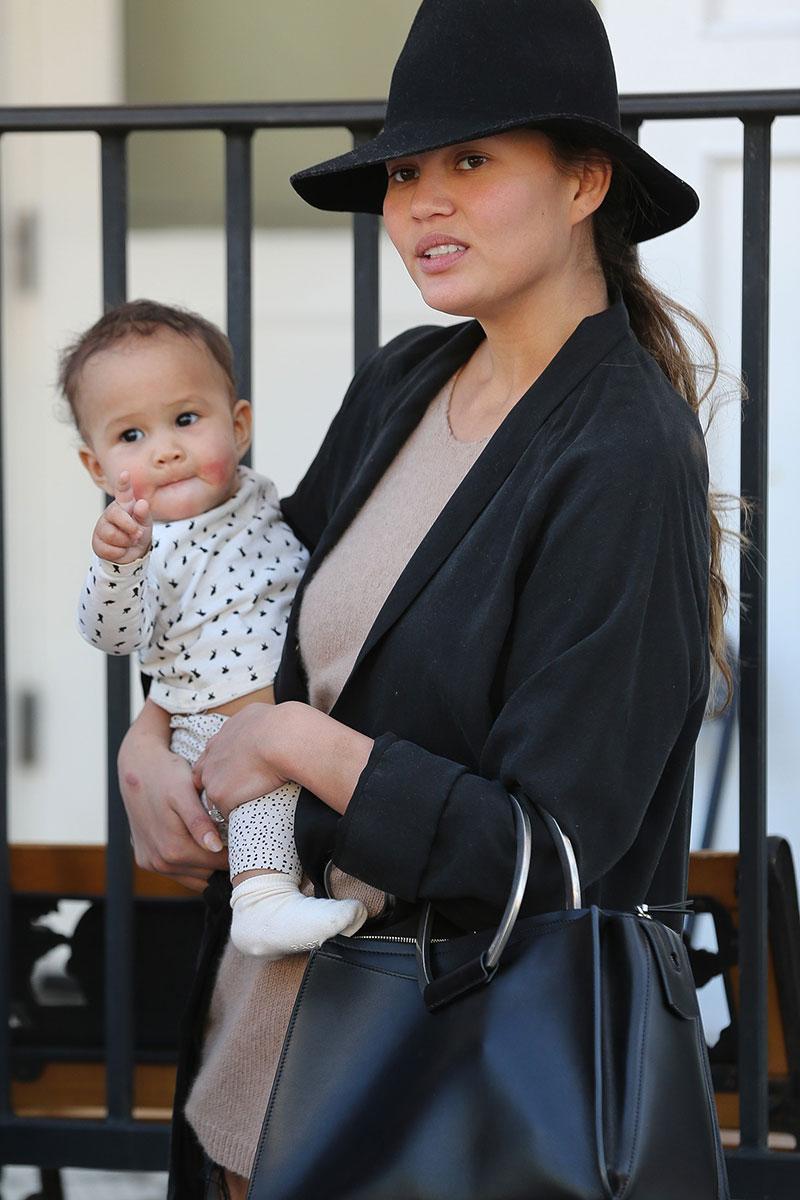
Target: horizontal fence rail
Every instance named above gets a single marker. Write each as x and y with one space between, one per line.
120 1140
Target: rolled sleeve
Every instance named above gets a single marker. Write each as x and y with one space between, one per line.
387 833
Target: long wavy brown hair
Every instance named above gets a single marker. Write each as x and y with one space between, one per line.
656 321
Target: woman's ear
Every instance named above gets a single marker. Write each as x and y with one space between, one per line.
593 181
242 425
92 465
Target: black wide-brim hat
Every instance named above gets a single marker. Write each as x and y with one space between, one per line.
474 68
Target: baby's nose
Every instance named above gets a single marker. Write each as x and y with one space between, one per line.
168 451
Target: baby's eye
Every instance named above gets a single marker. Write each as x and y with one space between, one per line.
187 418
470 161
402 174
131 435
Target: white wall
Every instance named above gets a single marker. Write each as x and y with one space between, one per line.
50 53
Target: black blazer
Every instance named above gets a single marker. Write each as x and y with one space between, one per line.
548 637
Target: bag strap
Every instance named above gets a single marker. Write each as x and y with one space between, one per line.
566 858
478 971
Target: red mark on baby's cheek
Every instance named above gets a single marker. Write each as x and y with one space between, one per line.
218 471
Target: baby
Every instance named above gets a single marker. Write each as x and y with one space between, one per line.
195 570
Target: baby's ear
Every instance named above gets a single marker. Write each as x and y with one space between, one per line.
92 465
242 425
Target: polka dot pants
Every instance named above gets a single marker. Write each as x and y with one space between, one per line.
260 832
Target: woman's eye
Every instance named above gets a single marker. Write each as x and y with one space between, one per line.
131 435
402 174
187 418
470 161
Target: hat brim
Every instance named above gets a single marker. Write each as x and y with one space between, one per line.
356 181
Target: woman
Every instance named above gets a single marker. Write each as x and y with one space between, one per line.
511 540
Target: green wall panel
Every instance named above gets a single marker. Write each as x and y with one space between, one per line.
189 51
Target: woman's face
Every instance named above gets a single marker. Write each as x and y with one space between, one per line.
483 225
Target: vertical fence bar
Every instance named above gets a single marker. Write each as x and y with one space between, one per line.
239 250
631 126
5 863
119 863
366 279
754 1117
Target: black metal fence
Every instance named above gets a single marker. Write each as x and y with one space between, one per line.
120 1141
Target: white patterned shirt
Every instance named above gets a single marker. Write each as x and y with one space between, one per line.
206 609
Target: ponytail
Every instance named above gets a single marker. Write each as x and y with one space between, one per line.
655 321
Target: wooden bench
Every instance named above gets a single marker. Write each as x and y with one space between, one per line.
714 888
74 1084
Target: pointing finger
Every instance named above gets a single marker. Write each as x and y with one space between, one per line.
124 489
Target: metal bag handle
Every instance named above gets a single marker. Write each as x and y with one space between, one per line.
380 919
478 971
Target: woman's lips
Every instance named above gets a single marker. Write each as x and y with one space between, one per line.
441 257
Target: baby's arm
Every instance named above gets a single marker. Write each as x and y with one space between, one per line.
122 533
112 613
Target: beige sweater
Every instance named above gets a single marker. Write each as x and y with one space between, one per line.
252 1000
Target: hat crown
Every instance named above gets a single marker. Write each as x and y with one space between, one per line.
491 61
474 68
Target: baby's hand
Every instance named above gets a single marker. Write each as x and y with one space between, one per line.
123 532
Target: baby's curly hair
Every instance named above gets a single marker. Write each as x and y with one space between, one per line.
139 318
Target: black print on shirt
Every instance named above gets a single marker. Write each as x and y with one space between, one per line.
169 603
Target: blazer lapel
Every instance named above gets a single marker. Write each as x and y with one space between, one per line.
587 346
413 396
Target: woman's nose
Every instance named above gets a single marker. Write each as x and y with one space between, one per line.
431 196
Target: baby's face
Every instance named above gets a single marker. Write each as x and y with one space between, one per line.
160 407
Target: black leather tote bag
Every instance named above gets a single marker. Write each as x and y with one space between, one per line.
560 1059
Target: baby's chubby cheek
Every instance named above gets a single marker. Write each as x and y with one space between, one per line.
219 471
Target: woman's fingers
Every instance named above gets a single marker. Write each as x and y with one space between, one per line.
238 763
200 826
197 772
171 832
182 840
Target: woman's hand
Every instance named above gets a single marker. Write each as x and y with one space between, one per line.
171 832
241 761
263 746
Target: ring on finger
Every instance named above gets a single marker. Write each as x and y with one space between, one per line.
219 819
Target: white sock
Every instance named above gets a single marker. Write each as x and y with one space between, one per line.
272 917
